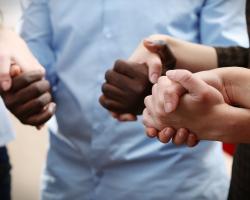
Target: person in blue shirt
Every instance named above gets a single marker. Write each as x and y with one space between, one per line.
91 155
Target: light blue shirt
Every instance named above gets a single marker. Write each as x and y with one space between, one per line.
91 155
6 130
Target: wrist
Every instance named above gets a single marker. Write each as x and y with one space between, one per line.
238 126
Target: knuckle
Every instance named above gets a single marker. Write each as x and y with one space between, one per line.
108 74
26 79
204 95
186 76
37 88
104 88
105 103
118 64
101 100
147 100
154 88
138 89
161 79
46 84
39 102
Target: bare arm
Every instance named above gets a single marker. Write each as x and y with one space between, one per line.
214 118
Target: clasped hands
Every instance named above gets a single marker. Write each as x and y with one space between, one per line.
183 106
29 97
23 87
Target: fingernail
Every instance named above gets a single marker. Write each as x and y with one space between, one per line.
168 107
154 77
5 85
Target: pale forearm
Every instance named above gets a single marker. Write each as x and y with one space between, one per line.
190 56
234 126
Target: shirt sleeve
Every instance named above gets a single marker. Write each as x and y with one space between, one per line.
232 56
223 23
36 30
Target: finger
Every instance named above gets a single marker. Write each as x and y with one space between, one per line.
34 106
111 105
147 119
191 83
115 115
123 117
26 79
42 118
5 79
112 92
32 91
181 136
151 132
162 96
149 104
192 140
154 69
157 104
166 134
129 69
154 66
118 80
171 96
161 48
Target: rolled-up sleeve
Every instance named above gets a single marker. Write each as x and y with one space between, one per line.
232 56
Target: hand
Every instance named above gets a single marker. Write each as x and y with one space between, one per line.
156 54
158 50
13 50
126 86
173 92
200 100
29 98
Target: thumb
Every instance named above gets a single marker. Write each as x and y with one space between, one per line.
153 62
191 83
161 48
15 70
5 79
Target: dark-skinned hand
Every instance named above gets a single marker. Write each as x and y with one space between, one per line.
127 84
29 98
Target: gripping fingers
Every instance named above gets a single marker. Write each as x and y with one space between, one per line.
44 116
192 140
111 105
147 119
166 134
34 106
181 136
